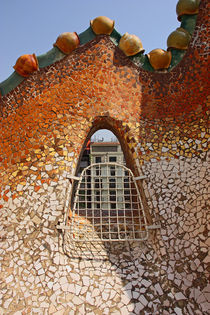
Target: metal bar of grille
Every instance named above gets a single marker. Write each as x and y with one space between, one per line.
107 206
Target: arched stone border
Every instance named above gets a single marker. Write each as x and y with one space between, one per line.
123 134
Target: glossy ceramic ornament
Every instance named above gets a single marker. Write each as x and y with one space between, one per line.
26 64
67 42
102 25
187 7
130 44
179 39
159 58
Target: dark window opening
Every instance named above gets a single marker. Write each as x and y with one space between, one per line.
112 171
112 183
112 159
98 159
113 205
98 171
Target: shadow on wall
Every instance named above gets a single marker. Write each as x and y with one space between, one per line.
119 266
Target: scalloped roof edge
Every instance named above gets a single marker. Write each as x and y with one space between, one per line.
188 22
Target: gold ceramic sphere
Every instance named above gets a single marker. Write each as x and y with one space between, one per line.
102 25
67 42
130 44
26 64
159 58
179 39
187 7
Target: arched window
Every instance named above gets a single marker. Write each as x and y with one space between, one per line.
106 202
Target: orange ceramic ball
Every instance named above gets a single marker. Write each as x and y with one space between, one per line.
130 44
159 58
26 64
67 42
102 25
187 7
179 39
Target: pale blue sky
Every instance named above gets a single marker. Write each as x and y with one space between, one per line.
32 26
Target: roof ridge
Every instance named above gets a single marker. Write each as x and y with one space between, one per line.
105 26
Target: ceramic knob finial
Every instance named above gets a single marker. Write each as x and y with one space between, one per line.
26 64
102 25
188 7
179 39
67 42
130 44
159 58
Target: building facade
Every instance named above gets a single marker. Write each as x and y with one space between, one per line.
105 181
109 179
103 152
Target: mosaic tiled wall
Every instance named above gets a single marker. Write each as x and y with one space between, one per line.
161 122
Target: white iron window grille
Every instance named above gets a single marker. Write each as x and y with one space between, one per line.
107 206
